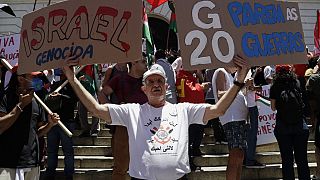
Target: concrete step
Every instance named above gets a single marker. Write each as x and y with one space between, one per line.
97 147
265 158
90 151
102 162
92 141
87 162
103 133
223 149
216 173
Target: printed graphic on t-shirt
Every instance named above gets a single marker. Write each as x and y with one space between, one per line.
163 139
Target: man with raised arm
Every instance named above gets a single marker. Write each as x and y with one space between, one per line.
158 130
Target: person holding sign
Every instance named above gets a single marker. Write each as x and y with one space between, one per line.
233 121
20 116
158 130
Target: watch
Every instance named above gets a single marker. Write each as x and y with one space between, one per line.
239 84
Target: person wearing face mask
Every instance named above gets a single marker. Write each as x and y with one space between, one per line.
20 116
157 130
40 85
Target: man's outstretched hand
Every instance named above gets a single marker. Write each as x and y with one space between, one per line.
242 66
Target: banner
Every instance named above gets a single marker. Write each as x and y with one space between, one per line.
212 32
266 119
95 31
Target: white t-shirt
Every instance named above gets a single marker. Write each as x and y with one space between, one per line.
268 72
251 98
238 110
158 137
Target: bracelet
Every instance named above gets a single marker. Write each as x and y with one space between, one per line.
239 84
18 106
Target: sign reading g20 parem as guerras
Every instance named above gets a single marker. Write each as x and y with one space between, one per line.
265 32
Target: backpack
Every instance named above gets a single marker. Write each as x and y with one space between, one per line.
290 106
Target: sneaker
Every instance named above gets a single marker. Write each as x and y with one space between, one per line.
255 165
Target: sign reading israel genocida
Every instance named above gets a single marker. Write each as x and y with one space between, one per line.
95 31
265 32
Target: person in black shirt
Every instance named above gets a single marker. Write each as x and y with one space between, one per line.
19 131
292 136
64 104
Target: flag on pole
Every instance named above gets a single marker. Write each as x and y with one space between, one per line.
317 34
147 36
156 3
173 22
88 78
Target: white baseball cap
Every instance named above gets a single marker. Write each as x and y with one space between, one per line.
154 69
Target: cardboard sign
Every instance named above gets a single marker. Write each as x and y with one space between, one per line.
264 32
266 119
9 48
95 31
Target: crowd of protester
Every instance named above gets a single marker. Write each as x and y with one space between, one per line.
124 83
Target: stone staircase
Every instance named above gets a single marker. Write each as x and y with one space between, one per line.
93 159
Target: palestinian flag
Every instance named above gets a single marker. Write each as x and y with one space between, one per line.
147 36
173 22
156 3
88 77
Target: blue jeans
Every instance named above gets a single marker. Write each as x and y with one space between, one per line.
55 135
252 131
293 146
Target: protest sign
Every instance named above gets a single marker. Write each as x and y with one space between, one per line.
266 118
9 49
95 31
265 32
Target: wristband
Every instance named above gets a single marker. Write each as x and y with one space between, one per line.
18 106
239 84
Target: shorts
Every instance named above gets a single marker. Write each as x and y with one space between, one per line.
236 134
